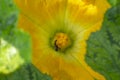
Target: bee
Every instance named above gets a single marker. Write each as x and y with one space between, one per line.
56 47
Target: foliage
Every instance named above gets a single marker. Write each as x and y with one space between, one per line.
25 72
114 2
103 50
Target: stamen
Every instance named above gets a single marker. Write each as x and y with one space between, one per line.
61 41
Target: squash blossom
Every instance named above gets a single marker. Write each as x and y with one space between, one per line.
59 30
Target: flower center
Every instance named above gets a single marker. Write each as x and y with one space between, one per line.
61 41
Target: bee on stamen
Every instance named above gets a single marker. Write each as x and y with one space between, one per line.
56 47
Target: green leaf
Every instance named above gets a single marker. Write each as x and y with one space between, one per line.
15 45
103 49
114 2
15 50
8 15
26 72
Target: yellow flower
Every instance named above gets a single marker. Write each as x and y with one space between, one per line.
59 30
